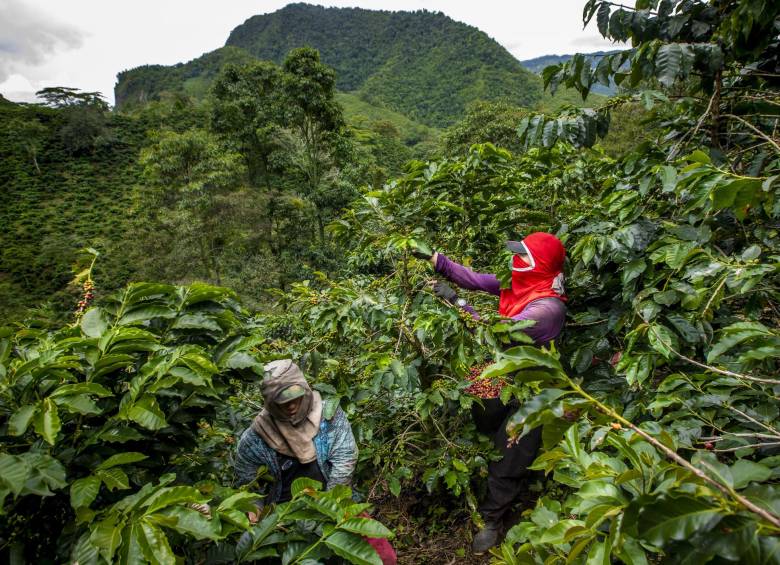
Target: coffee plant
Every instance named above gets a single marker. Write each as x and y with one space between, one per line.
658 406
118 433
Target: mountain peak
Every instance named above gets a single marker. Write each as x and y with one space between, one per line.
422 64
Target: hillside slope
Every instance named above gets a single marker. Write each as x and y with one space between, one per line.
70 202
421 64
142 84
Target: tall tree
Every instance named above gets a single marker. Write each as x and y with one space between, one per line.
86 122
315 129
191 173
495 122
247 111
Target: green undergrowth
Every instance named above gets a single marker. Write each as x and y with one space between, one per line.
73 201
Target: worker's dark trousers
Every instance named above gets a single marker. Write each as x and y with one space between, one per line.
505 476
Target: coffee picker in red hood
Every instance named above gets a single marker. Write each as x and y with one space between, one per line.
537 272
537 293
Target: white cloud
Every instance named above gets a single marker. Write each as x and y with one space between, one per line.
29 36
18 89
596 43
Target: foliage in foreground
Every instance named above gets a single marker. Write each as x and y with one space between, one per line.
659 411
659 407
118 433
659 414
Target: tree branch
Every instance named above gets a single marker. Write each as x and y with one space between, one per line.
755 129
701 365
767 427
674 456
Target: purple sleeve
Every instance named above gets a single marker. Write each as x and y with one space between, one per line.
549 314
465 277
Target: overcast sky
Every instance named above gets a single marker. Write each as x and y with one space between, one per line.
85 43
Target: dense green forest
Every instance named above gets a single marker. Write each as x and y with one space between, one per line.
73 179
184 242
420 64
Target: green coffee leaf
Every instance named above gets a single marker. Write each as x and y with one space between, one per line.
47 421
173 495
193 523
744 471
20 420
146 412
94 322
84 491
365 527
14 472
122 459
156 547
353 548
676 518
114 478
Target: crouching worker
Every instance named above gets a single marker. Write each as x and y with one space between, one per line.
292 439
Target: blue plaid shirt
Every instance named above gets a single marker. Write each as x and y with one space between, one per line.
335 445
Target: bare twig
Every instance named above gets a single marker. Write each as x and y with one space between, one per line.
755 129
710 368
749 446
723 438
674 456
714 294
585 324
694 131
402 323
767 427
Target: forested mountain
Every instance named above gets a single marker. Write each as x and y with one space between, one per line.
421 64
148 82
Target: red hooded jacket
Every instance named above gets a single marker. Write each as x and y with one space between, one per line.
543 275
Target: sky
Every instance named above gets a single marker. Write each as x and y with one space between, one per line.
85 43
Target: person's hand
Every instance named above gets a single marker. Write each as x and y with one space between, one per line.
422 254
445 292
422 250
255 516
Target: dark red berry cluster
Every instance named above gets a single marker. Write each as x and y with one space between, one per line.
483 388
86 298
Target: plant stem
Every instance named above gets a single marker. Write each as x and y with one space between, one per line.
709 367
755 129
674 456
749 446
767 427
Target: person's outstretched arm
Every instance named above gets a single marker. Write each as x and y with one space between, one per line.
343 453
465 277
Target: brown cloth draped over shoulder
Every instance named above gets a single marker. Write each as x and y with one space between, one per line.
289 436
